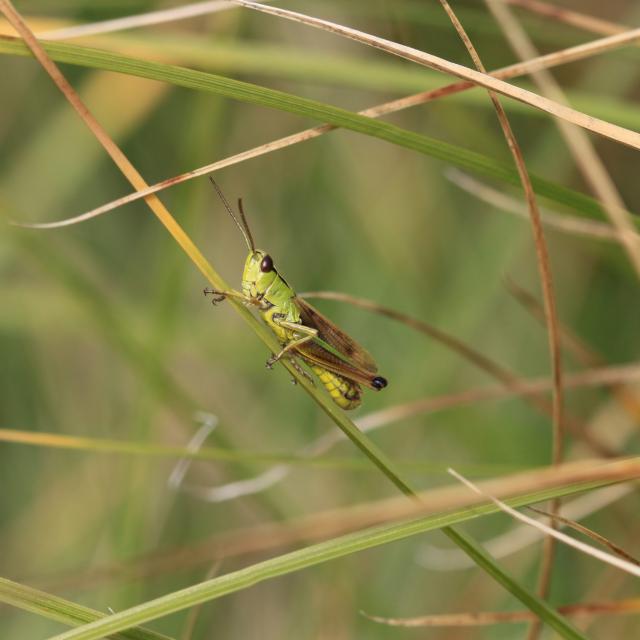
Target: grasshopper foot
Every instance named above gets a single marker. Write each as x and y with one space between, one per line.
216 296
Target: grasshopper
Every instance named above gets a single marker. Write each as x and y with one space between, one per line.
338 361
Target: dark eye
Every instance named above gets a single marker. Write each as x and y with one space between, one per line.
266 265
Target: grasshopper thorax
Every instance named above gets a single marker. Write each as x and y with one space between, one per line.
259 274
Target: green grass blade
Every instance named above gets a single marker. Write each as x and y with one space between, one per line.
254 94
331 550
61 610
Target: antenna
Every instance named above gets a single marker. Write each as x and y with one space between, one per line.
244 227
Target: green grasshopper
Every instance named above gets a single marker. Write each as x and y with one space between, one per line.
340 363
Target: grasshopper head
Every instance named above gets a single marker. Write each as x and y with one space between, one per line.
259 273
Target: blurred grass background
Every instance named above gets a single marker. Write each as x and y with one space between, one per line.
104 331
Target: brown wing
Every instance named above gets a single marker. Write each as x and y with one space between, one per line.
354 354
314 353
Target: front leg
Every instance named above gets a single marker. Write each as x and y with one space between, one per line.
308 334
219 296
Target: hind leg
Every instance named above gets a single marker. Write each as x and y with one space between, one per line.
308 333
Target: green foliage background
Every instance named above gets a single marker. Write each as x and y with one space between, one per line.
104 331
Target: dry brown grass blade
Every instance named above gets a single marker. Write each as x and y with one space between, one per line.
546 61
601 127
613 560
483 618
600 539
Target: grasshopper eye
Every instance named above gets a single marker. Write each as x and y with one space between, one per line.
267 264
